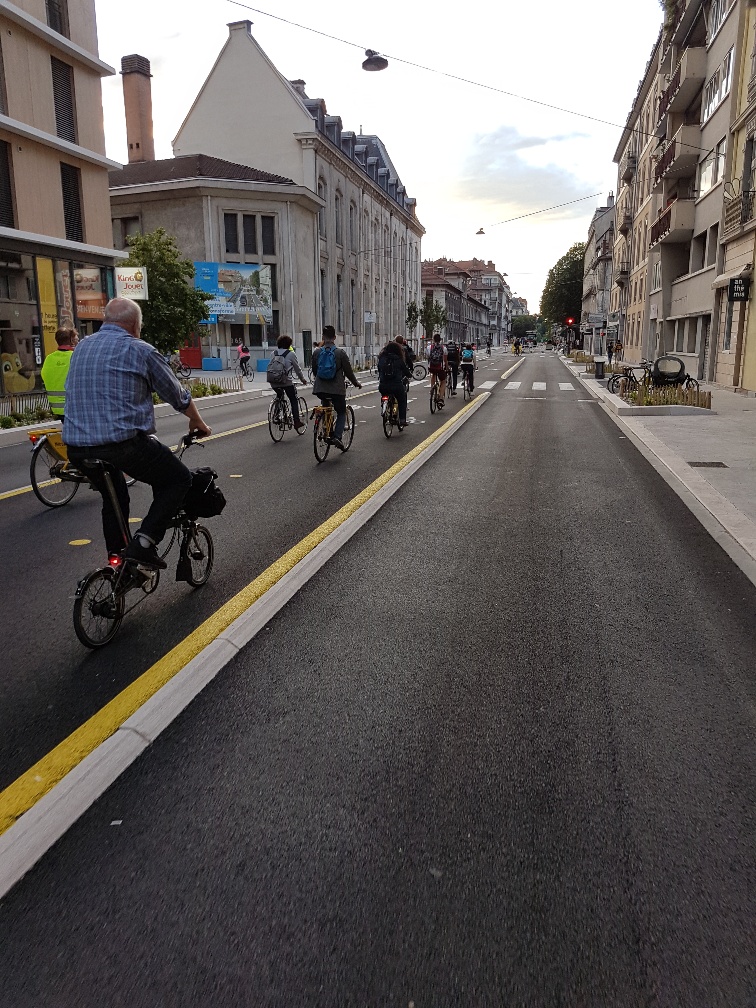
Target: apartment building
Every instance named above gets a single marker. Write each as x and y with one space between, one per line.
364 248
735 364
56 255
490 286
597 278
445 283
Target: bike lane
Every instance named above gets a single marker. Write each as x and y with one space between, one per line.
440 775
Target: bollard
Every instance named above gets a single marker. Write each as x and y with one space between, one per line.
599 364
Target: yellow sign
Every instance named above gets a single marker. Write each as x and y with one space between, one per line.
48 305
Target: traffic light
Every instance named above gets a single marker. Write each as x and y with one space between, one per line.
569 321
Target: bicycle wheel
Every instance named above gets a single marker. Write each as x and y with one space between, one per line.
309 375
419 372
433 401
198 545
448 385
184 371
319 443
47 487
613 384
98 611
277 419
348 436
303 415
388 417
691 384
466 388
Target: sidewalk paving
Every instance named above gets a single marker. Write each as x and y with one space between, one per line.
726 436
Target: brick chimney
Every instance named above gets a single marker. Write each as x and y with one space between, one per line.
137 99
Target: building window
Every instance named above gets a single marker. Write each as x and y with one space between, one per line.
7 215
249 234
322 211
70 179
339 304
353 227
717 14
123 228
231 231
718 87
57 16
353 307
63 99
323 299
337 205
273 281
268 235
711 169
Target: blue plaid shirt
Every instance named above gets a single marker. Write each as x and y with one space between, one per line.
109 388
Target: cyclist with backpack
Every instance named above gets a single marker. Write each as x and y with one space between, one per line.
331 370
437 365
394 376
280 368
453 357
244 355
468 364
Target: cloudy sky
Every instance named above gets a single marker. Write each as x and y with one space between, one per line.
472 155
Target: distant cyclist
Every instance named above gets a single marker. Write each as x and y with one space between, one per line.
517 347
453 355
330 367
489 344
393 372
282 365
244 355
468 364
437 365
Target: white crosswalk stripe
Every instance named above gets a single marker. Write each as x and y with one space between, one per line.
486 385
539 386
565 386
512 385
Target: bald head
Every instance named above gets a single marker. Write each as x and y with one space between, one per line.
124 313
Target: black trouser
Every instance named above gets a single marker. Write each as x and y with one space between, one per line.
339 404
400 394
291 392
469 368
454 368
147 460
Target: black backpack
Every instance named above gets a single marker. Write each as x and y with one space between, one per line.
388 366
204 498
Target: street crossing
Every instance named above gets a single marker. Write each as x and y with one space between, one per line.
537 386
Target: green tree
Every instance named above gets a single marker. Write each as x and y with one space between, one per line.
432 316
175 308
413 316
562 296
522 324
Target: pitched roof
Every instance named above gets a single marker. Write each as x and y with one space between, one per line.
189 166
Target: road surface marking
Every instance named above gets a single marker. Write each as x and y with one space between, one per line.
512 385
565 386
41 778
539 386
486 385
80 542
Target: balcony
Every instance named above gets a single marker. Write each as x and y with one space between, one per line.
628 166
738 211
680 156
675 225
624 221
686 81
622 274
751 90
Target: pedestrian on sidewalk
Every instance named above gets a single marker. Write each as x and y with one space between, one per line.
610 351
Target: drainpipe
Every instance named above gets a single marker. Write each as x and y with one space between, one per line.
291 272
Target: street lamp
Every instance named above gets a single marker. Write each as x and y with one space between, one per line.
374 61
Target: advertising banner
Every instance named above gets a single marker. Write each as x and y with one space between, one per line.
241 292
131 282
90 297
47 303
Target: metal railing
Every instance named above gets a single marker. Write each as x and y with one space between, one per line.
738 211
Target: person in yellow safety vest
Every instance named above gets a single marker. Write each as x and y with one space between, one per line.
55 370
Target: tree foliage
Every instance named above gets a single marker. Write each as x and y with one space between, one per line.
413 316
562 295
522 324
429 313
175 308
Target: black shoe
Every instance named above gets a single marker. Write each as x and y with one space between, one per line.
338 443
454 393
145 555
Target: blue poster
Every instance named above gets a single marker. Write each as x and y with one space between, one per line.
241 292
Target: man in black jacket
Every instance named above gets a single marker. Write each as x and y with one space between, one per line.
452 356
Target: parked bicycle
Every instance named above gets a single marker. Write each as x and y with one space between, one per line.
281 419
100 602
53 479
634 375
324 422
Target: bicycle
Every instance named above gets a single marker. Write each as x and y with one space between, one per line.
467 389
390 412
100 601
242 372
633 375
281 419
435 401
419 371
178 367
53 479
324 417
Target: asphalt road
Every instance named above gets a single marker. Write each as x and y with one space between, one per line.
277 494
499 751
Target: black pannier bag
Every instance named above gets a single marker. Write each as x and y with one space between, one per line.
205 498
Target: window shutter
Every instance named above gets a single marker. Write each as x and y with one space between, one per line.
231 230
70 180
7 217
268 235
63 97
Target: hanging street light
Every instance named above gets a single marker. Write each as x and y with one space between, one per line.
374 61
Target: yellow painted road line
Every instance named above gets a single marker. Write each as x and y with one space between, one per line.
27 789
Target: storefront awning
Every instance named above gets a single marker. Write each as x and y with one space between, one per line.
724 279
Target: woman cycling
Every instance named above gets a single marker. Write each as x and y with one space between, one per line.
244 355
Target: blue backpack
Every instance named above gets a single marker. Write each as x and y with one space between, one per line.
327 362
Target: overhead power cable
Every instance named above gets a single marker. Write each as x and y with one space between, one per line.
462 80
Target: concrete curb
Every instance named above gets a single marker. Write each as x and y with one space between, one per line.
690 486
32 835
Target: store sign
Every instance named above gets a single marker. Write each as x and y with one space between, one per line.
739 289
48 304
90 297
371 317
131 282
240 293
